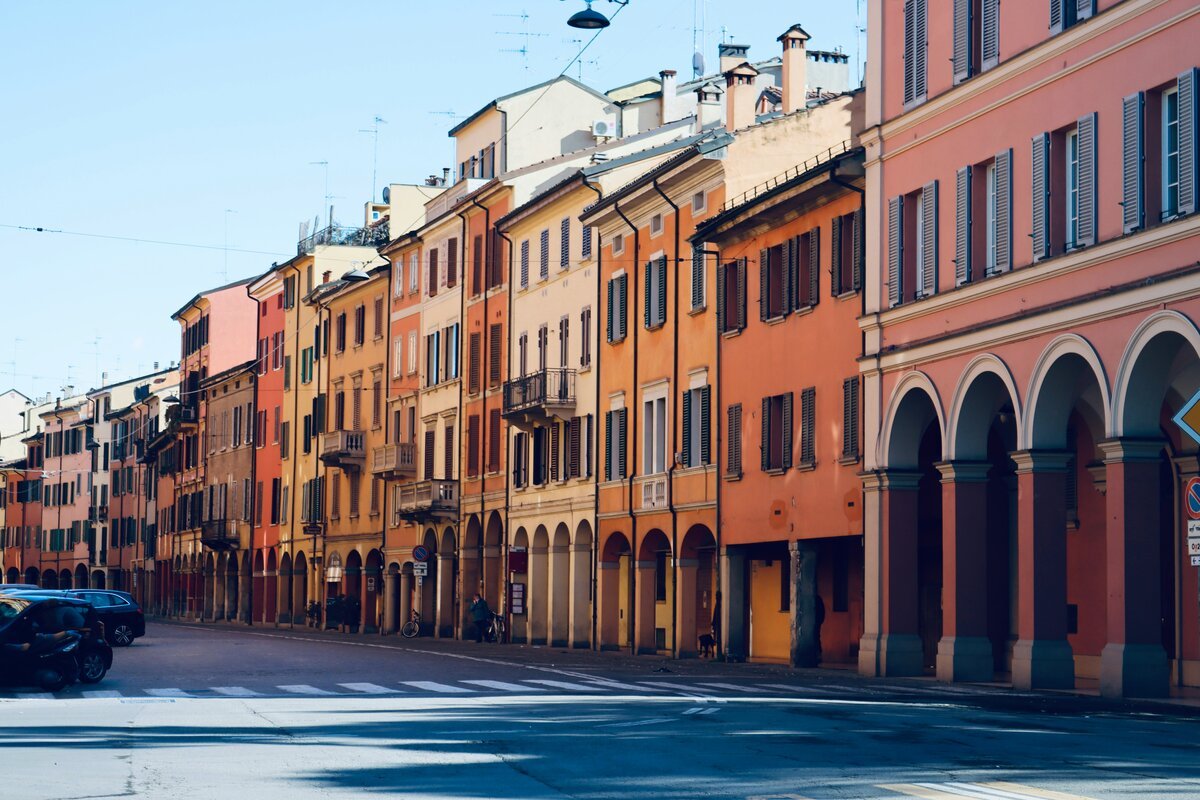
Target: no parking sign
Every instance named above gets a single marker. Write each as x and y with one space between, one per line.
1191 505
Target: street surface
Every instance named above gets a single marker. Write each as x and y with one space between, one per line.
216 712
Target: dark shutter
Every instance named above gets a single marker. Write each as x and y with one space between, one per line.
792 278
765 460
962 227
573 436
1186 84
910 51
733 437
721 328
525 263
1133 207
449 434
785 433
1056 16
555 449
564 257
962 39
1084 9
808 403
622 437
920 19
850 418
494 433
473 369
706 425
473 446
764 284
741 294
989 34
858 253
697 275
1004 210
544 255
622 306
611 297
451 264
895 249
648 279
430 439
1087 180
586 242
477 264
494 345
1041 197
835 262
930 244
609 441
814 274
661 277
788 250
687 428
518 460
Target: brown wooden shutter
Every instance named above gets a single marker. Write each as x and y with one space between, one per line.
449 452
687 428
1041 196
850 418
1133 204
741 294
857 251
495 430
962 39
814 274
808 404
962 226
474 366
930 244
1087 180
477 264
835 262
785 433
430 438
765 442
433 273
622 439
733 437
473 446
789 275
574 433
706 425
495 370
1188 120
1004 210
989 34
895 250
721 310
452 262
764 284
555 449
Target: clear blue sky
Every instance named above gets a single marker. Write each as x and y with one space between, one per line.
150 119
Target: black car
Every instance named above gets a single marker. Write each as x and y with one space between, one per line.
29 615
121 614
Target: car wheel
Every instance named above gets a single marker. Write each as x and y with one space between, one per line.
122 636
91 668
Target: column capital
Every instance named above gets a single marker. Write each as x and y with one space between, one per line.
1129 449
1189 466
898 480
1041 460
963 471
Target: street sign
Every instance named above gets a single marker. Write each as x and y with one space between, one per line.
1188 417
312 530
420 569
1191 498
1193 547
370 583
1196 561
420 553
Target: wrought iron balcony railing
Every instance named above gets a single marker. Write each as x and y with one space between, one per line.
545 393
340 235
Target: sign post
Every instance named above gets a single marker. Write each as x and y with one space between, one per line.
1191 507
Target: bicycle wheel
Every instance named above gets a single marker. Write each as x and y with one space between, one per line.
410 630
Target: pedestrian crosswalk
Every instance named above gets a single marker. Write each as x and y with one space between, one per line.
572 684
994 790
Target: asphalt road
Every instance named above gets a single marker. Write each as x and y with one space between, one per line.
193 712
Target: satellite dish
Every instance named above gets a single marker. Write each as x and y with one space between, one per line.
698 63
387 195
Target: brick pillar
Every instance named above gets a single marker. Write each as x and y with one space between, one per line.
733 640
537 594
445 596
805 651
608 607
1042 658
1133 662
581 594
643 608
686 642
391 601
964 652
896 649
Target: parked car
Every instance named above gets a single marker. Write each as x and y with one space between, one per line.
56 612
16 587
51 641
122 616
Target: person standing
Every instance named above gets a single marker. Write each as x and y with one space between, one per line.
480 613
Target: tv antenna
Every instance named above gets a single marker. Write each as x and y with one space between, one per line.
523 50
12 365
374 131
327 196
96 355
581 61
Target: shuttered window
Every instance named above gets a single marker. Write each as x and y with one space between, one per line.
770 283
915 51
655 291
585 338
963 241
574 442
477 259
733 447
1133 175
777 432
564 341
1188 171
697 275
474 367
449 434
850 418
585 243
430 439
495 430
964 24
1040 234
524 263
927 240
989 33
544 255
555 457
433 273
520 459
808 429
495 336
473 446
1003 211
697 427
895 250
452 263
617 308
564 255
1086 170
615 444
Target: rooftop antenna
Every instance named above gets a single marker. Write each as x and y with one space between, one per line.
96 355
699 18
12 365
580 61
526 35
327 196
225 265
374 131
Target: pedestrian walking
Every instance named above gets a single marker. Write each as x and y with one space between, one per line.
819 613
480 614
352 612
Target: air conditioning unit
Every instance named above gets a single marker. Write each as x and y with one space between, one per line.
603 128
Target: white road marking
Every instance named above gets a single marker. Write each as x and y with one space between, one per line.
638 723
168 693
368 688
733 687
505 687
30 696
98 694
629 687
304 688
677 687
800 689
236 691
572 687
978 791
433 686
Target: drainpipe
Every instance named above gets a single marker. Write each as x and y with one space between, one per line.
504 440
388 292
720 649
462 421
253 478
295 455
862 209
674 418
483 416
595 589
632 462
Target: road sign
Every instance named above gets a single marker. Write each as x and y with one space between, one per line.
420 569
1188 417
312 530
1191 498
1193 529
1196 561
420 553
1193 547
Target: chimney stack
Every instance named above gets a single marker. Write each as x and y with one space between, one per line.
708 105
669 91
731 55
325 276
740 95
795 69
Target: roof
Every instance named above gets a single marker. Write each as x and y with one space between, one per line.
793 32
495 103
221 377
197 296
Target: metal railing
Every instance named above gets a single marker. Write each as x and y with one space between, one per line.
793 172
435 496
547 387
400 458
340 235
219 532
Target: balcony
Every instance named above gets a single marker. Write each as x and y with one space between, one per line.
183 414
219 534
427 500
341 236
653 492
97 513
395 461
345 449
542 395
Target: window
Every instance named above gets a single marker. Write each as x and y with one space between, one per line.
618 244
1065 13
913 245
430 439
697 433
773 294
451 358
452 263
1075 182
655 284
360 325
656 225
987 186
585 340
915 51
541 443
520 460
524 263
412 352
698 299
494 431
654 436
1170 153
617 308
543 344
564 342
379 318
586 243
433 273
449 436
495 344
340 333
777 432
354 481
564 255
731 296
523 353
376 404
976 37
850 417
847 253
699 203
1072 210
474 367
615 423
477 264
808 410
414 269
398 278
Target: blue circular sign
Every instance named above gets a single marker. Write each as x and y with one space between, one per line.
1192 498
420 552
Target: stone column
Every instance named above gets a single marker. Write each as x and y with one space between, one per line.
369 600
246 590
644 606
802 557
407 585
895 650
493 581
1133 662
964 651
210 594
558 610
445 595
608 605
685 644
391 601
734 637
1042 657
282 597
537 598
580 634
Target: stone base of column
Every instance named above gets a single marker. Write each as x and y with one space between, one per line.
563 643
893 655
1043 664
964 659
1134 670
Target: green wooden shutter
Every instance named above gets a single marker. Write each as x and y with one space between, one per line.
687 428
706 425
647 280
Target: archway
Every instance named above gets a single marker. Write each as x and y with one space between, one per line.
218 590
427 586
14 575
64 579
518 565
471 566
245 591
372 597
31 576
696 589
615 592
538 594
81 577
271 589
1061 604
232 595
391 600
209 587
259 588
979 503
49 579
352 584
581 586
299 589
285 613
493 583
911 514
655 588
447 583
558 610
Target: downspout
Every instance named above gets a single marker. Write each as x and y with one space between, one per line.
295 456
388 292
504 440
633 645
598 249
461 257
674 419
253 481
720 649
483 415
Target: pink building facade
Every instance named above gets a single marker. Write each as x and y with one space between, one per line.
1030 329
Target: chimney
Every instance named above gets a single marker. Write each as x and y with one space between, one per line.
795 69
669 92
325 276
740 96
731 55
708 105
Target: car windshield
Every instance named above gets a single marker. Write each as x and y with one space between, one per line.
10 609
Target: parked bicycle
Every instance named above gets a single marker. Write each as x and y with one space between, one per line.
494 630
412 628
